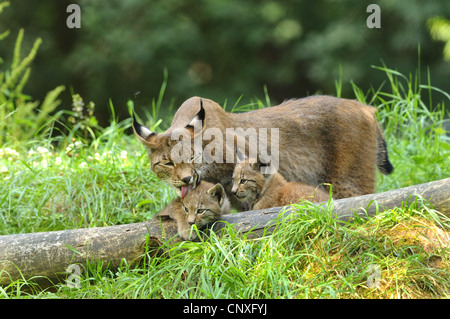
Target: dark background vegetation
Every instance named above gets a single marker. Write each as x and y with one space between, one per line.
219 49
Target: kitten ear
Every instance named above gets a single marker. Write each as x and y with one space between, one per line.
144 134
217 192
260 162
239 156
264 161
197 121
255 165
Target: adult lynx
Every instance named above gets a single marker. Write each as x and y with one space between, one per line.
201 206
257 191
322 139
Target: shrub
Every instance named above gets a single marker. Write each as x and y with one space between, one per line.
21 117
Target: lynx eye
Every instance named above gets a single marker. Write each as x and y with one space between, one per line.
242 181
201 211
186 209
168 164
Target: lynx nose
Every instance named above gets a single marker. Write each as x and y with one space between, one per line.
191 220
187 180
234 190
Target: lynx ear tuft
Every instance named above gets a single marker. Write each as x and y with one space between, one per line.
197 120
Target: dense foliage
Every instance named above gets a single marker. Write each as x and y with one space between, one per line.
222 49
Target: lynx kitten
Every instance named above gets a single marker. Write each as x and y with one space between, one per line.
260 191
201 206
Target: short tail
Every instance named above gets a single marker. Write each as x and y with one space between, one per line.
384 165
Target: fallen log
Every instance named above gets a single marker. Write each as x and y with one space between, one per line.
436 193
46 257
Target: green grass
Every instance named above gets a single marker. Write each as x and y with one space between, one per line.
70 182
77 185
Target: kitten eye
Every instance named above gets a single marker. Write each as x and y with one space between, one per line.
186 209
242 181
201 211
168 163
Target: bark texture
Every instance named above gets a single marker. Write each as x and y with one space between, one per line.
46 256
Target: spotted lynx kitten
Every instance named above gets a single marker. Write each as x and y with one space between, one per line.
258 191
201 206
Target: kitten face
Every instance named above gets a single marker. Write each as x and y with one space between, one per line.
248 182
201 206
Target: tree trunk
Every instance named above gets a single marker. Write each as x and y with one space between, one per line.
46 256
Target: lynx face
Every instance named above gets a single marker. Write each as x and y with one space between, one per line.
260 191
201 206
184 178
248 182
182 175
